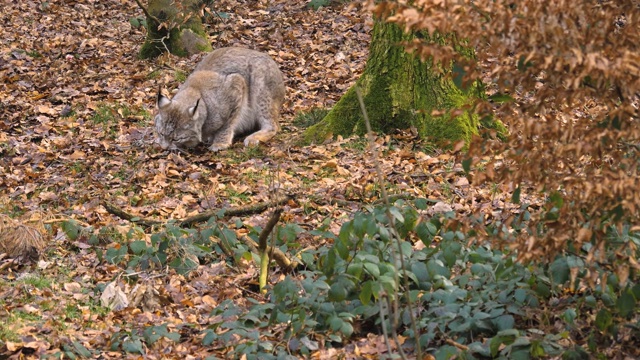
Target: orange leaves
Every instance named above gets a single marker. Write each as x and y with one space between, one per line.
409 17
559 38
574 72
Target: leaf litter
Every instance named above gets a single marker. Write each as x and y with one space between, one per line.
76 109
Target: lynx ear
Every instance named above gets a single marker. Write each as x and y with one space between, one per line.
192 110
162 100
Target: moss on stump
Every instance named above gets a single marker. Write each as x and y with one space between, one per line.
184 38
399 91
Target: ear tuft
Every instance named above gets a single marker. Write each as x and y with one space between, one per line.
192 110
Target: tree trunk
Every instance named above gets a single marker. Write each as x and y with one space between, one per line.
181 32
399 91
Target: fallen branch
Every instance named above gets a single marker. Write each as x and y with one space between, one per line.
201 217
114 210
457 345
276 254
239 211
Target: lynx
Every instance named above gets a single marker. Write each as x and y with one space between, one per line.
232 92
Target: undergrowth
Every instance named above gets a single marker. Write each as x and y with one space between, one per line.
469 301
310 117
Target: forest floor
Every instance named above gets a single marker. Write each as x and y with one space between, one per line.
76 130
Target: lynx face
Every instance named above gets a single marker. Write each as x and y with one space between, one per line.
176 127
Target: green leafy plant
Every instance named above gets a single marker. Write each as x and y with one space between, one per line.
307 118
176 247
127 341
152 334
463 293
475 296
138 22
317 4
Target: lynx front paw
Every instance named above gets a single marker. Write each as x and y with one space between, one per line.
251 141
218 146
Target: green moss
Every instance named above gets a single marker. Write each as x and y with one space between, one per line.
384 101
399 91
175 44
174 40
339 121
445 129
180 76
489 124
204 47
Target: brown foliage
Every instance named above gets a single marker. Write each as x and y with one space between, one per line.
573 69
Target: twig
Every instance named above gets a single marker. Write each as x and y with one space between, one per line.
278 256
455 344
385 198
262 239
53 221
146 12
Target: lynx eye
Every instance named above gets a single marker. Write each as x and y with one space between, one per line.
166 130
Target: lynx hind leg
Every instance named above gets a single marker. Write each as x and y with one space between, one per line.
268 124
259 136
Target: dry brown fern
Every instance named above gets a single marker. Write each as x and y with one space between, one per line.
21 242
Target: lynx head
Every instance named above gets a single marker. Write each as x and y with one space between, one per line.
179 121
